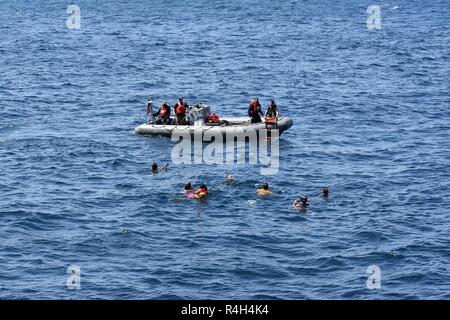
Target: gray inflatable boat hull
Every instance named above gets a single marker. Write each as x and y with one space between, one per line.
234 126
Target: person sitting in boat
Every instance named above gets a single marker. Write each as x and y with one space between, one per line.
254 110
264 191
163 114
201 192
180 111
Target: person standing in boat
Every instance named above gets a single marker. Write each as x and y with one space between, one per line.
180 111
254 110
163 114
272 110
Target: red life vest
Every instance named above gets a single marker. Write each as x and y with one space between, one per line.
180 108
213 118
255 107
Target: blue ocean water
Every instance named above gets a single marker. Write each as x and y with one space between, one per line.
371 121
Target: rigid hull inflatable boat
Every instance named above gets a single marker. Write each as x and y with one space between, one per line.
197 116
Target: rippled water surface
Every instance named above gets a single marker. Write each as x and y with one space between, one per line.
371 120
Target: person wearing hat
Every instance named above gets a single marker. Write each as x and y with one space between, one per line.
254 110
180 111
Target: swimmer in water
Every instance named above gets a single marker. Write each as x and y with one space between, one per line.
154 167
264 191
301 204
296 204
164 167
188 188
201 192
229 178
325 192
304 203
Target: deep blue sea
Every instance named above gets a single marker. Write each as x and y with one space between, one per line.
371 112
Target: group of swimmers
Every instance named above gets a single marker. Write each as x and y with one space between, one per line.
200 193
301 203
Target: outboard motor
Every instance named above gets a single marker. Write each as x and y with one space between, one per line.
198 115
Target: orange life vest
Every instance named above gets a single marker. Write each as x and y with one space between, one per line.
271 119
255 106
201 190
180 108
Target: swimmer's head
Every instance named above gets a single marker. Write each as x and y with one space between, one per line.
188 186
265 186
229 178
203 186
154 167
325 191
304 200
